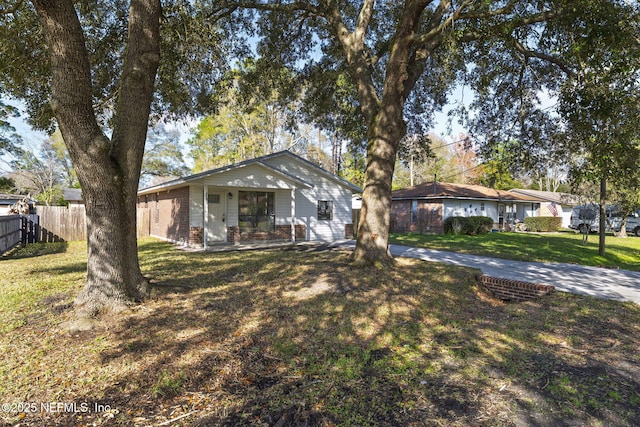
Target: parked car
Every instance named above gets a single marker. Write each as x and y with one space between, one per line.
586 219
633 223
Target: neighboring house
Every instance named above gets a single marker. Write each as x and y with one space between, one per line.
73 196
423 208
8 200
280 196
555 204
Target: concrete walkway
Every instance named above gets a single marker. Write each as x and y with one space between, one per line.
621 285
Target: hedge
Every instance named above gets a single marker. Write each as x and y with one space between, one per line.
543 223
468 224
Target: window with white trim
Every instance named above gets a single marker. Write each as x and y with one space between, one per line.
325 210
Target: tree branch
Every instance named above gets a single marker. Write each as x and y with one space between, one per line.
71 87
363 20
137 82
474 35
427 42
532 54
437 27
12 9
272 7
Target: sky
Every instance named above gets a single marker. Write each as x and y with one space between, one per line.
34 138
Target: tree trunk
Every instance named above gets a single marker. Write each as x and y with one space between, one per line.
108 169
373 225
114 279
386 128
623 227
603 216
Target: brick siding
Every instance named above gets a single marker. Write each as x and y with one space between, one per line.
429 217
514 290
196 236
281 232
169 215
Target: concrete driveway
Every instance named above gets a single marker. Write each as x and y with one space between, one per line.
621 285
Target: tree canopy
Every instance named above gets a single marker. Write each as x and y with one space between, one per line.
397 63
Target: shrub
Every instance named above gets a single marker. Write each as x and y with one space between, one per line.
454 224
480 224
543 223
468 225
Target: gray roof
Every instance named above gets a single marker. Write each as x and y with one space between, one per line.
549 196
72 194
11 199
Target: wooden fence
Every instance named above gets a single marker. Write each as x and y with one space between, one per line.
10 232
59 223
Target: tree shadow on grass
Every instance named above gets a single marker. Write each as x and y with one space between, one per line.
33 250
290 338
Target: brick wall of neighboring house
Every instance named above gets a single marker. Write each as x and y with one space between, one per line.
400 216
169 215
429 219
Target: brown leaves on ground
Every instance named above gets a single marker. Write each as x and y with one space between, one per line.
288 338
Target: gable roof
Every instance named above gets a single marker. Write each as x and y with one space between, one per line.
447 190
261 162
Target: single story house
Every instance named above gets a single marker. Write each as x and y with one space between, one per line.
73 196
424 207
280 196
554 204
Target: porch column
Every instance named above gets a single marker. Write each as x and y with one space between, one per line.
293 215
205 222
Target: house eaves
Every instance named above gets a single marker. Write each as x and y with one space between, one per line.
354 188
452 191
192 178
549 196
259 161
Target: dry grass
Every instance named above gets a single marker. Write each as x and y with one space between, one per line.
296 338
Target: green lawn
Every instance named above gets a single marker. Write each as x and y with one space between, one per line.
305 338
545 247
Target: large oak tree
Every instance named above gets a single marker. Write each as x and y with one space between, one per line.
404 57
93 69
108 168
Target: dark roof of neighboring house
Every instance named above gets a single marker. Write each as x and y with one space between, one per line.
10 199
447 190
549 196
257 161
72 194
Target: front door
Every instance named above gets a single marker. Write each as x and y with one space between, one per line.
501 216
216 229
